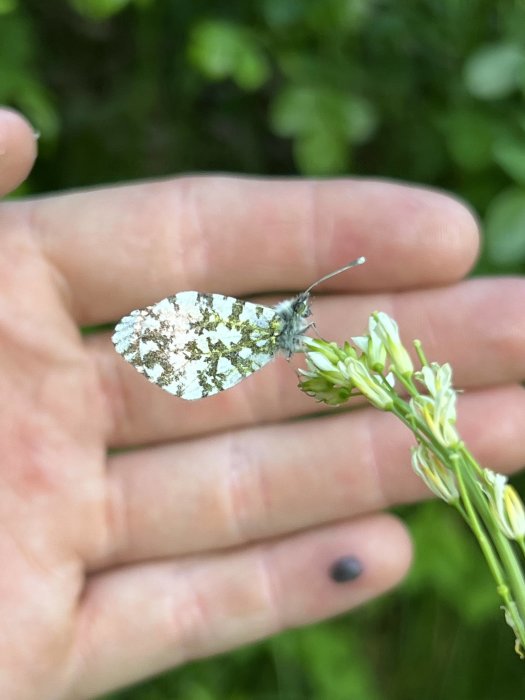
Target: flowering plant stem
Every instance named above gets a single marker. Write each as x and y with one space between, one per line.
378 367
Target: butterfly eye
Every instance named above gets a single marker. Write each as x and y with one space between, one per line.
305 309
301 307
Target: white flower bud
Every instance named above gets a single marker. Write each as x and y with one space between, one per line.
384 330
439 479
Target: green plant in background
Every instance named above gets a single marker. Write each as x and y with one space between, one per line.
316 103
378 367
430 92
19 82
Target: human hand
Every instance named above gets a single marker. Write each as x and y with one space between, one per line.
221 525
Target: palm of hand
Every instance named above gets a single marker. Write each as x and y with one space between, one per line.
117 567
54 523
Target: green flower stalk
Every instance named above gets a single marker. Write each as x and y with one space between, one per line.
378 367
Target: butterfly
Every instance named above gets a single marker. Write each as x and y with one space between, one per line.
195 345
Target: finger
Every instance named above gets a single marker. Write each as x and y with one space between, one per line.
478 326
126 247
226 490
17 149
137 621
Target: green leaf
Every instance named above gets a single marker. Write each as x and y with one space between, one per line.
35 102
469 135
509 153
252 70
304 109
494 71
360 119
323 122
294 110
225 50
282 13
7 6
99 9
17 50
214 47
321 152
337 16
505 227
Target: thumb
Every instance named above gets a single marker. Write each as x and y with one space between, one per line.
17 149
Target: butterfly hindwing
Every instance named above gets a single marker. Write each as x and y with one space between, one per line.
194 345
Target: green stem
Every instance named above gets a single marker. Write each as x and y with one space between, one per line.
421 431
420 354
473 463
506 570
475 525
407 383
503 545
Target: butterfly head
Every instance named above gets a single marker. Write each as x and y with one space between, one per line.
300 305
293 313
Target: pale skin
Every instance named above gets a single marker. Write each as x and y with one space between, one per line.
219 526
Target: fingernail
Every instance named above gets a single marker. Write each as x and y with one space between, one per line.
36 134
345 569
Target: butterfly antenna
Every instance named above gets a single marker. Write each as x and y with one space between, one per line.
354 263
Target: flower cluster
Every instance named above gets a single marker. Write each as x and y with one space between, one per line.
378 367
335 374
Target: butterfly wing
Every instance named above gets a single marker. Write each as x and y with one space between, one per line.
194 345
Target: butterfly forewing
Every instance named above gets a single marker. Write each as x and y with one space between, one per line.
194 345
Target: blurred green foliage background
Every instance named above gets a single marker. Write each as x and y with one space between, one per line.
430 91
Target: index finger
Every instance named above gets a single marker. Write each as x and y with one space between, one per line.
124 247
